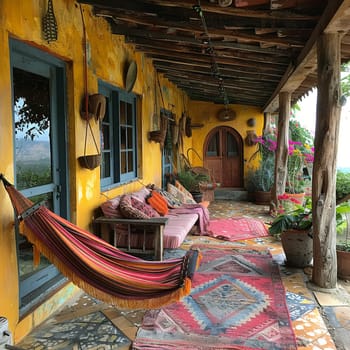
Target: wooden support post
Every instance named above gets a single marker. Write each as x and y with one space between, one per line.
282 150
267 123
324 169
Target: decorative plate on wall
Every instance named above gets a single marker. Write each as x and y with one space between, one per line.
130 76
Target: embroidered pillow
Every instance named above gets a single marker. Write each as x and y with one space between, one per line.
111 209
158 202
179 186
179 195
141 194
128 210
144 207
172 201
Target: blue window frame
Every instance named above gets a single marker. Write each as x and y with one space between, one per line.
118 137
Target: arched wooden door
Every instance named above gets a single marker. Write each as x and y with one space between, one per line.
223 155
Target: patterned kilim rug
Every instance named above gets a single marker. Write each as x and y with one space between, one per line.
237 302
237 228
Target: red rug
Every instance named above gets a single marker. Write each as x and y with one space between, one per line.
237 302
235 229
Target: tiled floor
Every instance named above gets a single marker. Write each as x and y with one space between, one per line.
320 320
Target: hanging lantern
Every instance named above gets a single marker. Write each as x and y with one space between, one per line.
50 24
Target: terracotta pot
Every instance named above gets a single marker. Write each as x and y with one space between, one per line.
343 262
261 197
298 247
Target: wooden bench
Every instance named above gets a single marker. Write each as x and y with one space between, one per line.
104 226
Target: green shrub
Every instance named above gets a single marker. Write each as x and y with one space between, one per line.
191 181
343 185
261 178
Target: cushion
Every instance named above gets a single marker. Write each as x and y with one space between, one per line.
144 207
173 202
128 210
141 194
183 189
158 202
179 195
111 209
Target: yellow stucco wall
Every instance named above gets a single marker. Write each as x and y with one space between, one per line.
107 55
206 113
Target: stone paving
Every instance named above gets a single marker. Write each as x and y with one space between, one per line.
321 321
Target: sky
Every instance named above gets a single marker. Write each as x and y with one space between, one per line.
307 116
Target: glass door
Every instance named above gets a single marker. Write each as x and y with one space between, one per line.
40 154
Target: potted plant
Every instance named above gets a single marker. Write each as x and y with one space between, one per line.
295 230
192 181
343 224
259 180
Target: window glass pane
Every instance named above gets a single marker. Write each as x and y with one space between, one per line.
130 140
213 146
130 161
105 165
129 114
32 129
25 252
105 143
231 146
123 137
106 118
123 164
123 112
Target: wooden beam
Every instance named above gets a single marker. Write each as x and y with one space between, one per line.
154 6
154 25
213 8
324 273
179 56
307 59
247 3
299 4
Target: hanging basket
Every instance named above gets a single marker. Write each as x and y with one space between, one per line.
250 139
90 161
226 115
94 106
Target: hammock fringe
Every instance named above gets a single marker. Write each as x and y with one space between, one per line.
100 269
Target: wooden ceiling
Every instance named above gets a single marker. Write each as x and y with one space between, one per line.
230 51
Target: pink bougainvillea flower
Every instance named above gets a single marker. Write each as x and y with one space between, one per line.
309 158
272 145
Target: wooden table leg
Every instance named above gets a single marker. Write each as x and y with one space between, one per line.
158 242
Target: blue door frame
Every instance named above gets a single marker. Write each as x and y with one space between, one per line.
27 61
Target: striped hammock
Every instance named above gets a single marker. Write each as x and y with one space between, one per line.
99 268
